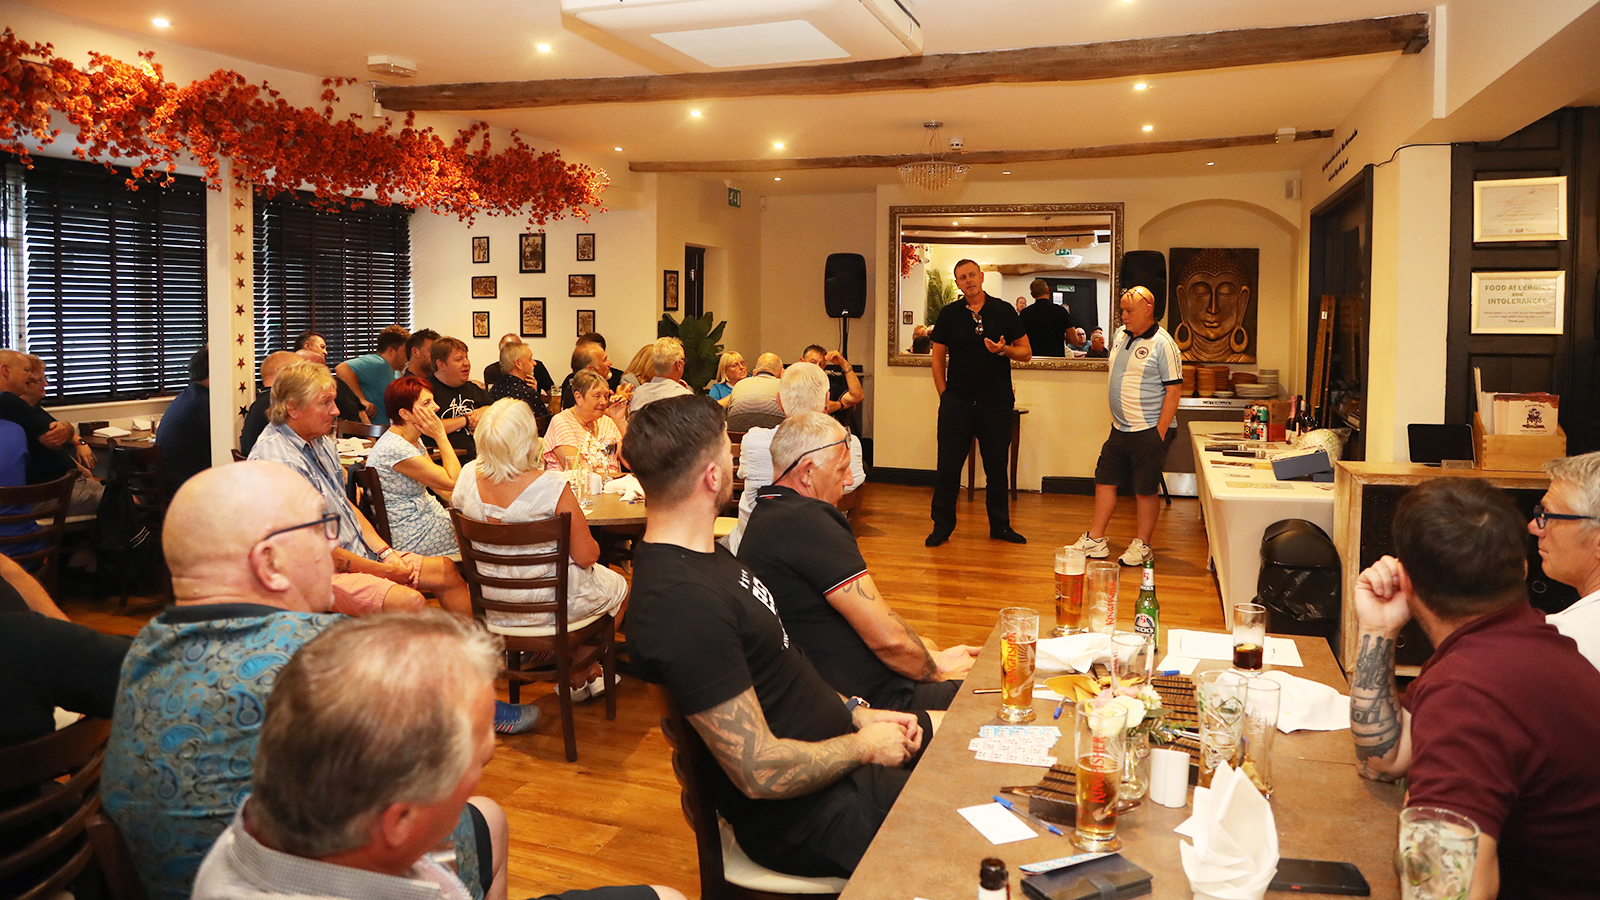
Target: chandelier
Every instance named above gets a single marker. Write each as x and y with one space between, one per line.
932 175
1049 245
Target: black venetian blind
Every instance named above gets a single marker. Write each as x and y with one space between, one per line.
343 273
115 280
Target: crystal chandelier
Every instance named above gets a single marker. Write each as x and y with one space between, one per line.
932 175
1050 244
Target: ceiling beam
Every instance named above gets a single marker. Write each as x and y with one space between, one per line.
980 157
1073 62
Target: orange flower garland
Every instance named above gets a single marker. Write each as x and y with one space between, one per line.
124 111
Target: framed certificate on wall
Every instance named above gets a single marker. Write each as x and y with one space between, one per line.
1519 209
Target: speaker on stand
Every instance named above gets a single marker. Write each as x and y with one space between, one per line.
844 292
1145 268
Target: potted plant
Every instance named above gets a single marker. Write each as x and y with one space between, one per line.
702 346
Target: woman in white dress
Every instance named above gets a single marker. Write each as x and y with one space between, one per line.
508 483
405 470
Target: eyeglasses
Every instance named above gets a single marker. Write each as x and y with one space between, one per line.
329 523
806 454
1542 519
977 324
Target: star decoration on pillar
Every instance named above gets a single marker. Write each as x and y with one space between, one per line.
238 203
238 282
242 390
239 339
238 309
238 229
244 410
238 256
239 363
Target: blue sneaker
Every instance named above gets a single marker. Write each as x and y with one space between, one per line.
512 718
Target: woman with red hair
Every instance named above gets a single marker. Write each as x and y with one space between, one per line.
416 521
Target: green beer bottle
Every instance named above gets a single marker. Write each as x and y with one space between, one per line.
1147 611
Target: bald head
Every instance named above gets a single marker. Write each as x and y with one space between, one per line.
769 362
14 368
274 363
215 539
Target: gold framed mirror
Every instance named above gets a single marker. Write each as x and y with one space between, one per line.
1074 248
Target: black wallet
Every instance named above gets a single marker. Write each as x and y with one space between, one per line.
1098 879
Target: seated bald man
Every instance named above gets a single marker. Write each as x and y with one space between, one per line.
371 575
250 548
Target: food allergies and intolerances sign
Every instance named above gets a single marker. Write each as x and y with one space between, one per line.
1518 302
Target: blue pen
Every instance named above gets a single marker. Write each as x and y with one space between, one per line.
1169 672
1022 812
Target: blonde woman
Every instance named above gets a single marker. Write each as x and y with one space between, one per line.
730 369
642 368
508 483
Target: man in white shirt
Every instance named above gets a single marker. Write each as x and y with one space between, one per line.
668 362
1567 524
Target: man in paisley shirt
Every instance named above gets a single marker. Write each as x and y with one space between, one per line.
250 550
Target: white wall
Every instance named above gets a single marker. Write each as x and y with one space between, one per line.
693 210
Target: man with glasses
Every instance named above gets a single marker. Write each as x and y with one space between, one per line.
974 343
1567 524
828 601
250 547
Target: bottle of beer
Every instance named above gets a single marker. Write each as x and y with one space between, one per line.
1147 610
994 882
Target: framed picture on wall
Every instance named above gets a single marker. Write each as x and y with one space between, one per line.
483 287
530 252
532 317
907 318
480 323
586 248
580 285
585 321
669 290
480 249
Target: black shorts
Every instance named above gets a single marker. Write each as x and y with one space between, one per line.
1132 456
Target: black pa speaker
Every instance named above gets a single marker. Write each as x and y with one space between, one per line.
844 285
1149 269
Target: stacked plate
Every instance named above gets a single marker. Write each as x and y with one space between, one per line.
1257 391
1266 376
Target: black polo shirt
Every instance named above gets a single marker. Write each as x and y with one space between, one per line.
973 373
1046 324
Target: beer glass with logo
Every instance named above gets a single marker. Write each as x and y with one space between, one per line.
1019 639
1099 746
1070 563
1220 696
1438 853
1100 595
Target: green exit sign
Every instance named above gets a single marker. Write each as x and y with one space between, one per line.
1064 251
733 197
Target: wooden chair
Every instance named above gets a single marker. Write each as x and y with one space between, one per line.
45 830
575 645
239 456
726 873
44 505
371 501
347 428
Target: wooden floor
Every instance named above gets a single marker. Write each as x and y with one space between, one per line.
613 817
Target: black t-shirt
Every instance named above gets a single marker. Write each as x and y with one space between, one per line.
492 373
45 663
184 435
1046 324
973 373
801 574
44 463
705 628
255 421
517 389
455 402
344 397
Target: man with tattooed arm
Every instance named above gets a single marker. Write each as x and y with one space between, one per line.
807 774
1500 726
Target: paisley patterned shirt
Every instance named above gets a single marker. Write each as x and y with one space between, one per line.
189 708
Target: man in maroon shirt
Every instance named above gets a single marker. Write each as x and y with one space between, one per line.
1500 726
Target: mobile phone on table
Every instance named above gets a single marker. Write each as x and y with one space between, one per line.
1319 876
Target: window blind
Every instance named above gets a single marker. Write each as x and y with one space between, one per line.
344 273
115 280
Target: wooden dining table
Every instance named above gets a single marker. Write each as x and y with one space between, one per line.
925 849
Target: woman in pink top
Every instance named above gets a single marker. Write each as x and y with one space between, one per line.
592 428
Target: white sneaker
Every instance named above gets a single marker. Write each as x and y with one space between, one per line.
1094 548
595 688
1136 554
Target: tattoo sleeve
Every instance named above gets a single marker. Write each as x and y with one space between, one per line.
912 659
763 766
1375 720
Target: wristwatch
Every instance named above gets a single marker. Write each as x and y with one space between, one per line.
851 704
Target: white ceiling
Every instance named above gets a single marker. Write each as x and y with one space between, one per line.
494 40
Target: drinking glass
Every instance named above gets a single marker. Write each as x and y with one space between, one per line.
576 471
1249 636
1260 726
1019 639
1070 563
1098 748
1100 595
1220 696
1438 852
1131 656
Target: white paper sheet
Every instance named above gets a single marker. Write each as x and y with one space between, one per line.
1211 645
997 823
1183 665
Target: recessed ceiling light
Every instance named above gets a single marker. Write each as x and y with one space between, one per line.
1006 172
1141 86
955 223
777 145
1210 163
694 113
542 48
775 178
618 149
161 23
1149 128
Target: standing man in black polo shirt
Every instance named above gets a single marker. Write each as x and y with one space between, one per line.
829 603
974 342
805 777
1045 321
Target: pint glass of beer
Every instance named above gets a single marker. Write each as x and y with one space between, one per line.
1019 640
1099 746
1070 563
